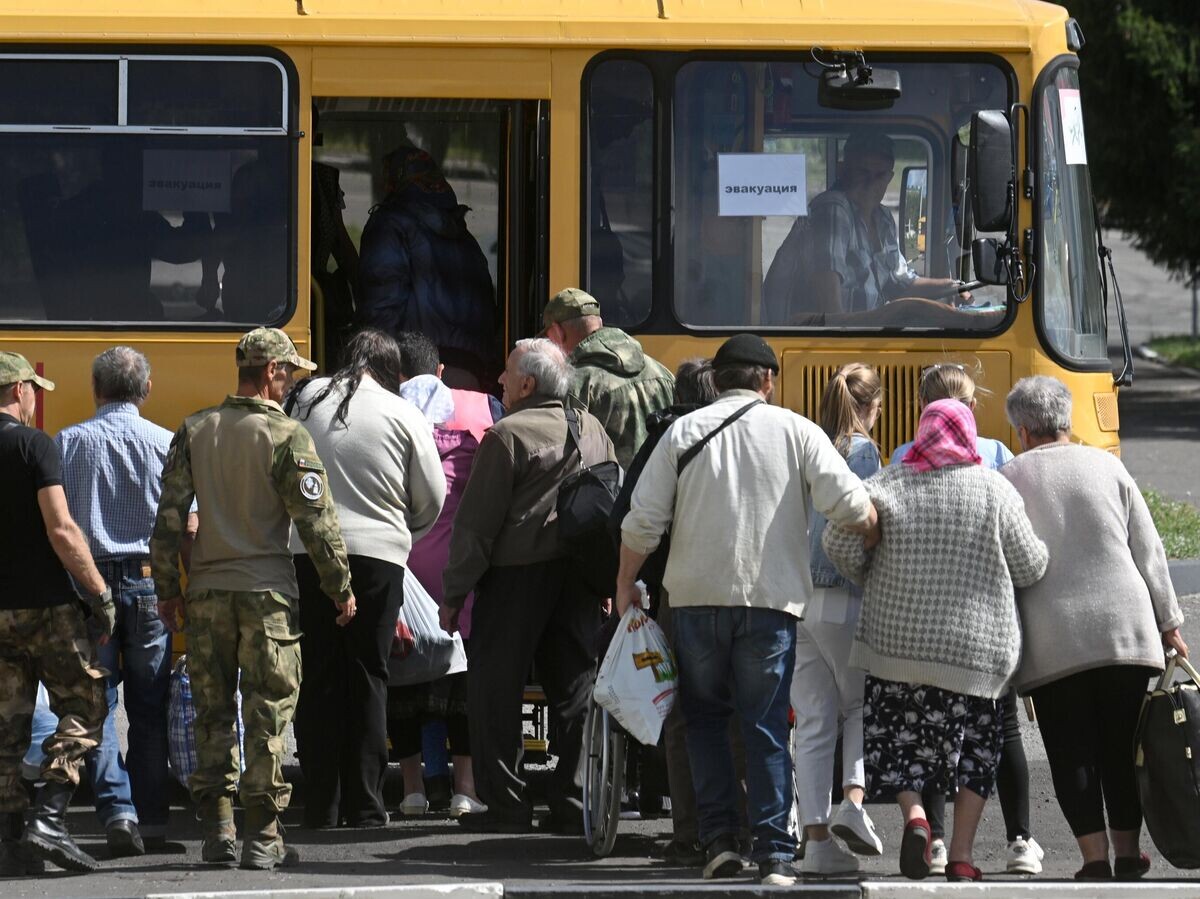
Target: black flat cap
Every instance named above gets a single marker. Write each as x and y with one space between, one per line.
746 349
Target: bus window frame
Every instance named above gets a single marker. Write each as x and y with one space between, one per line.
290 132
1044 80
664 66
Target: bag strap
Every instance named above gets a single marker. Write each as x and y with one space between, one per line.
573 429
694 450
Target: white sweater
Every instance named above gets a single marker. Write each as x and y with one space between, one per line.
739 513
383 467
1107 594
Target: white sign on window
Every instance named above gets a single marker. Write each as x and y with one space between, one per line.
186 180
1071 109
761 184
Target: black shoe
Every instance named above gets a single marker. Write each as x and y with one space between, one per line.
124 840
438 792
684 854
561 824
724 858
46 834
776 873
487 822
15 860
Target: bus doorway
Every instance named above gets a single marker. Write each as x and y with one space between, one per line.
430 215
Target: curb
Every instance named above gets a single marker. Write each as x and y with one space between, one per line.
414 891
603 891
1185 575
1015 890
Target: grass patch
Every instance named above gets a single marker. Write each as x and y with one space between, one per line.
1178 350
1178 524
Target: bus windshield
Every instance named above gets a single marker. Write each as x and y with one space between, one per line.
1073 317
787 214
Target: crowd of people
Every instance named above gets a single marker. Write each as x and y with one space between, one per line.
892 614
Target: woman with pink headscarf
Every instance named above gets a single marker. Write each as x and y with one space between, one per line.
938 635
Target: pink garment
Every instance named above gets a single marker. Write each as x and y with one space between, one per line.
472 412
428 557
945 436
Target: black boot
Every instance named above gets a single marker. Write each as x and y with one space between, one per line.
46 834
14 861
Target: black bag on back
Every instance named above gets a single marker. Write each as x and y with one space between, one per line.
1167 764
584 504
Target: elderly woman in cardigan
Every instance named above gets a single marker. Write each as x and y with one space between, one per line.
938 635
1095 626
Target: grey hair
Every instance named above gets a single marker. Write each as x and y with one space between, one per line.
1041 405
121 375
544 362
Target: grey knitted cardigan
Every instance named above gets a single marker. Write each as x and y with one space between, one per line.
938 599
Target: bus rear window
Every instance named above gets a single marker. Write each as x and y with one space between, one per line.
173 207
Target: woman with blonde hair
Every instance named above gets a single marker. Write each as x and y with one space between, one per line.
952 381
824 687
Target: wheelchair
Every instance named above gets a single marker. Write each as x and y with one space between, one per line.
604 751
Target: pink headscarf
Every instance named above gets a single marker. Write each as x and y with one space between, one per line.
945 436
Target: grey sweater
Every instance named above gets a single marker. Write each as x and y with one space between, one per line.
938 602
1107 593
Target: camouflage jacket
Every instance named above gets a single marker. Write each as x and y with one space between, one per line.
252 471
620 385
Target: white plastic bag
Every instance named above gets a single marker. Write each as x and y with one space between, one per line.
637 679
422 652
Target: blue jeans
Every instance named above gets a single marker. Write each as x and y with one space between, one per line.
137 788
738 661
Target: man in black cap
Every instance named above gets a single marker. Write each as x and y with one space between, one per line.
733 482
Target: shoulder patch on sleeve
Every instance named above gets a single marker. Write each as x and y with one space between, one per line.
312 485
308 463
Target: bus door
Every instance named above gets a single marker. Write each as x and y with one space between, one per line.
430 214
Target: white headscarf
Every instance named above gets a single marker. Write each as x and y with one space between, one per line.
431 396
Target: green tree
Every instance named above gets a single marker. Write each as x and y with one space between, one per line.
1140 81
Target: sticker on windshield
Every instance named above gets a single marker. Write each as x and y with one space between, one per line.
761 184
1072 125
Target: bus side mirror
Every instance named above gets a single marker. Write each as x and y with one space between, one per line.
992 170
988 261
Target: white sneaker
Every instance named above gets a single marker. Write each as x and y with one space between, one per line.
414 804
462 804
852 823
827 857
1024 856
937 857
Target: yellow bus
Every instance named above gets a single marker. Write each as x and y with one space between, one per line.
173 173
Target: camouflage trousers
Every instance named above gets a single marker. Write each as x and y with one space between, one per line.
258 633
51 646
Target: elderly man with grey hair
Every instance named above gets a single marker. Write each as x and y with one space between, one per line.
1094 628
112 473
529 603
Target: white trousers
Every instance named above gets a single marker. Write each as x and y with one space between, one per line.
824 689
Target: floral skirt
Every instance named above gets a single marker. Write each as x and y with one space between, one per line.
916 735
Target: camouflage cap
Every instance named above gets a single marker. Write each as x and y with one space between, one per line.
14 367
263 345
568 304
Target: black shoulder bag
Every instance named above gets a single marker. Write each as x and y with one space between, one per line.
585 502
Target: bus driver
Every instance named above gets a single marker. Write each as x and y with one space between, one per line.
844 257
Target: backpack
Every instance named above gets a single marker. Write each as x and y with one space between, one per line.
584 504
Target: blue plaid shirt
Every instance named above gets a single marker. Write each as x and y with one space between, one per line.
112 474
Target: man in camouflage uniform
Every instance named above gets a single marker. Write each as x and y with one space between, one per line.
43 633
614 379
253 471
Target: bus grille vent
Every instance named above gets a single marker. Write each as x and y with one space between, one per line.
897 419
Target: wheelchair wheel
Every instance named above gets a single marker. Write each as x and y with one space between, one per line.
604 769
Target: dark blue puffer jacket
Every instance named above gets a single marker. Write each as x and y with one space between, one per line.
422 270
